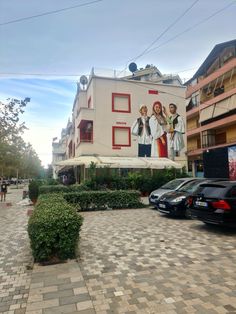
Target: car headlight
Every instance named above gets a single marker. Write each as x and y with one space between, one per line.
154 196
178 199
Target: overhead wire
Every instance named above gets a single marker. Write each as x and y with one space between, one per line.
49 12
42 74
67 75
193 26
166 30
163 33
146 52
183 32
148 87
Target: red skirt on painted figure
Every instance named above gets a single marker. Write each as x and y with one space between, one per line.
162 147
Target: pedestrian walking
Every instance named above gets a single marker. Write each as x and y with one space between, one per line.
3 190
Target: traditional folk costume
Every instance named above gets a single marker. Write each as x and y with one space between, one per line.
141 129
158 126
175 135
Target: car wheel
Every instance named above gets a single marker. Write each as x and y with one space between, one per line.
187 213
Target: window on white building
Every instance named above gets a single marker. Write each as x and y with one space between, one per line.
121 136
121 102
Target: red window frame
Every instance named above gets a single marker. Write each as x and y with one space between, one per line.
124 96
113 136
85 136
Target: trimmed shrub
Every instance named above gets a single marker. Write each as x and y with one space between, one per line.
105 199
51 181
34 190
53 228
45 189
142 181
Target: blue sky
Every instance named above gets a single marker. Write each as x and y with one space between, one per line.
107 35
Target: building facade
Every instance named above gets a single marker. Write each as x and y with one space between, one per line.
105 112
211 114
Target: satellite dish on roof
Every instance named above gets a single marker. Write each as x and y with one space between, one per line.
133 67
83 81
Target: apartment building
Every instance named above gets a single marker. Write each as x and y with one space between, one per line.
211 114
103 114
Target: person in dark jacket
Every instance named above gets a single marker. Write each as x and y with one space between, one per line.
3 190
141 128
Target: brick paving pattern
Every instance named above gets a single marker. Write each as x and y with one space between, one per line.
130 261
15 255
137 261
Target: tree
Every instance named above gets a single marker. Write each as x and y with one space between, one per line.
49 172
16 157
30 164
10 125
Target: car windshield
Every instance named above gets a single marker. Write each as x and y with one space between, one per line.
190 186
172 185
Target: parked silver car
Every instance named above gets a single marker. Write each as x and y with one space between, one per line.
173 185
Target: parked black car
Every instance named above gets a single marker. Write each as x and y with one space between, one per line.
174 203
215 203
172 185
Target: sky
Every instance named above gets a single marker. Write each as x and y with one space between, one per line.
43 57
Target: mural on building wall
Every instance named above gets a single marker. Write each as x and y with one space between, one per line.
160 135
232 162
141 129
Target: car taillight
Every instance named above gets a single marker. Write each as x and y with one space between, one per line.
221 204
189 200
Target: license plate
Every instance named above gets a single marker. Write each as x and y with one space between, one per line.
202 204
162 205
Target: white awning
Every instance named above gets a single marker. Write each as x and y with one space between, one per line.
206 113
218 109
78 161
221 107
124 162
120 162
232 104
162 163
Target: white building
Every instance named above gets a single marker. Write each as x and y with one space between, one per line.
102 117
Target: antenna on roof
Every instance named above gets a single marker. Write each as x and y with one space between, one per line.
83 81
133 67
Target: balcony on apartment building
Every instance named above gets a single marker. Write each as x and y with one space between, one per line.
194 144
84 113
58 157
58 149
213 73
216 106
219 136
216 90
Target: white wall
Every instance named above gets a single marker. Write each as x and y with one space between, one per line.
100 90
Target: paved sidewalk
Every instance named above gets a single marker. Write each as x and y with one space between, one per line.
131 261
15 256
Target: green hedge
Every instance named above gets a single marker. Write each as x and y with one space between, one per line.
44 189
105 199
144 180
54 228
